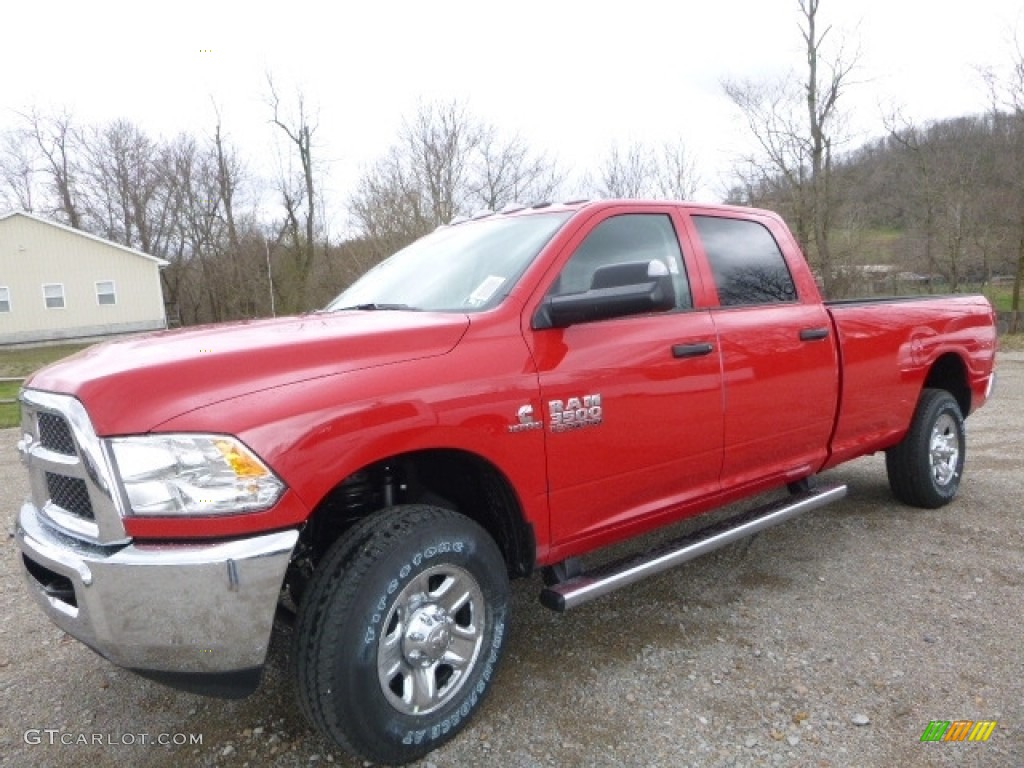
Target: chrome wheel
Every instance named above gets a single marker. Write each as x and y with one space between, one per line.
944 450
400 631
431 639
925 467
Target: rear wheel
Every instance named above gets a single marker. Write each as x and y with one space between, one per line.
925 467
400 632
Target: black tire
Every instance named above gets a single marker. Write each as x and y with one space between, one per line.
926 466
400 632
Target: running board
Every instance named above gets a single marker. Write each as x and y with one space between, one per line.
576 591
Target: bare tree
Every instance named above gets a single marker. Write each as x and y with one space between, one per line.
177 199
58 141
18 171
214 254
826 81
38 165
779 171
123 187
916 159
677 175
798 152
440 142
388 208
1007 94
958 159
445 163
506 171
298 192
229 174
424 180
643 170
626 172
189 286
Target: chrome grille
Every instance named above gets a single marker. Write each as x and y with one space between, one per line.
55 434
70 494
69 472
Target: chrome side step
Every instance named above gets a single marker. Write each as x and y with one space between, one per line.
608 578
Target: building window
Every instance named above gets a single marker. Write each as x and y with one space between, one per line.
53 293
5 299
105 293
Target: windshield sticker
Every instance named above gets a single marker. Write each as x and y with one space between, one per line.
485 291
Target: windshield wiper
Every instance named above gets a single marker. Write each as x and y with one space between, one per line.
373 307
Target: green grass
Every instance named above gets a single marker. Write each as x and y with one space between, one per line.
16 361
19 363
1011 342
1001 297
10 414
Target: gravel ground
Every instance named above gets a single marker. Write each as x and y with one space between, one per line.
832 640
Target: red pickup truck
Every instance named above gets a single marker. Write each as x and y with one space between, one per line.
506 394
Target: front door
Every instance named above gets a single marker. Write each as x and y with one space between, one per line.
632 405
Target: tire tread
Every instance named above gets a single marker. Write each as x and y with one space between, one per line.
905 462
342 574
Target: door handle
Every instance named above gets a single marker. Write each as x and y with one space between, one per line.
813 334
692 350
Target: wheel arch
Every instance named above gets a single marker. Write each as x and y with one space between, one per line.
949 372
455 479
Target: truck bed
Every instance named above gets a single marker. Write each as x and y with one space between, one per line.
886 348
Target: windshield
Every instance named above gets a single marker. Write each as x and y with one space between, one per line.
466 267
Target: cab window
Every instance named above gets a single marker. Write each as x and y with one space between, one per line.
746 262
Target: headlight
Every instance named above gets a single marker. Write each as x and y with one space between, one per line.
193 475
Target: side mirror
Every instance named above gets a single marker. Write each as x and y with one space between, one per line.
617 290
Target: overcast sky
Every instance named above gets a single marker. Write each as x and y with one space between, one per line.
570 76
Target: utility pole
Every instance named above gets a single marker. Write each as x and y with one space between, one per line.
270 277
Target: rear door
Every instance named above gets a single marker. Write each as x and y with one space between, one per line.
632 405
780 369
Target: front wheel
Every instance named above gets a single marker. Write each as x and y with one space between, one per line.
400 632
925 467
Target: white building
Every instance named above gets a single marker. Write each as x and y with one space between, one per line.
59 283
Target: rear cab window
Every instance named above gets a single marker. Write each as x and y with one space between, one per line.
746 263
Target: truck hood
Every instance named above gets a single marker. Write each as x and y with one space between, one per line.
133 385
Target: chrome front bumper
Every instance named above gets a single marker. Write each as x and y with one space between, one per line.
181 613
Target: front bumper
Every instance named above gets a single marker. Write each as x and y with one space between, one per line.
197 616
